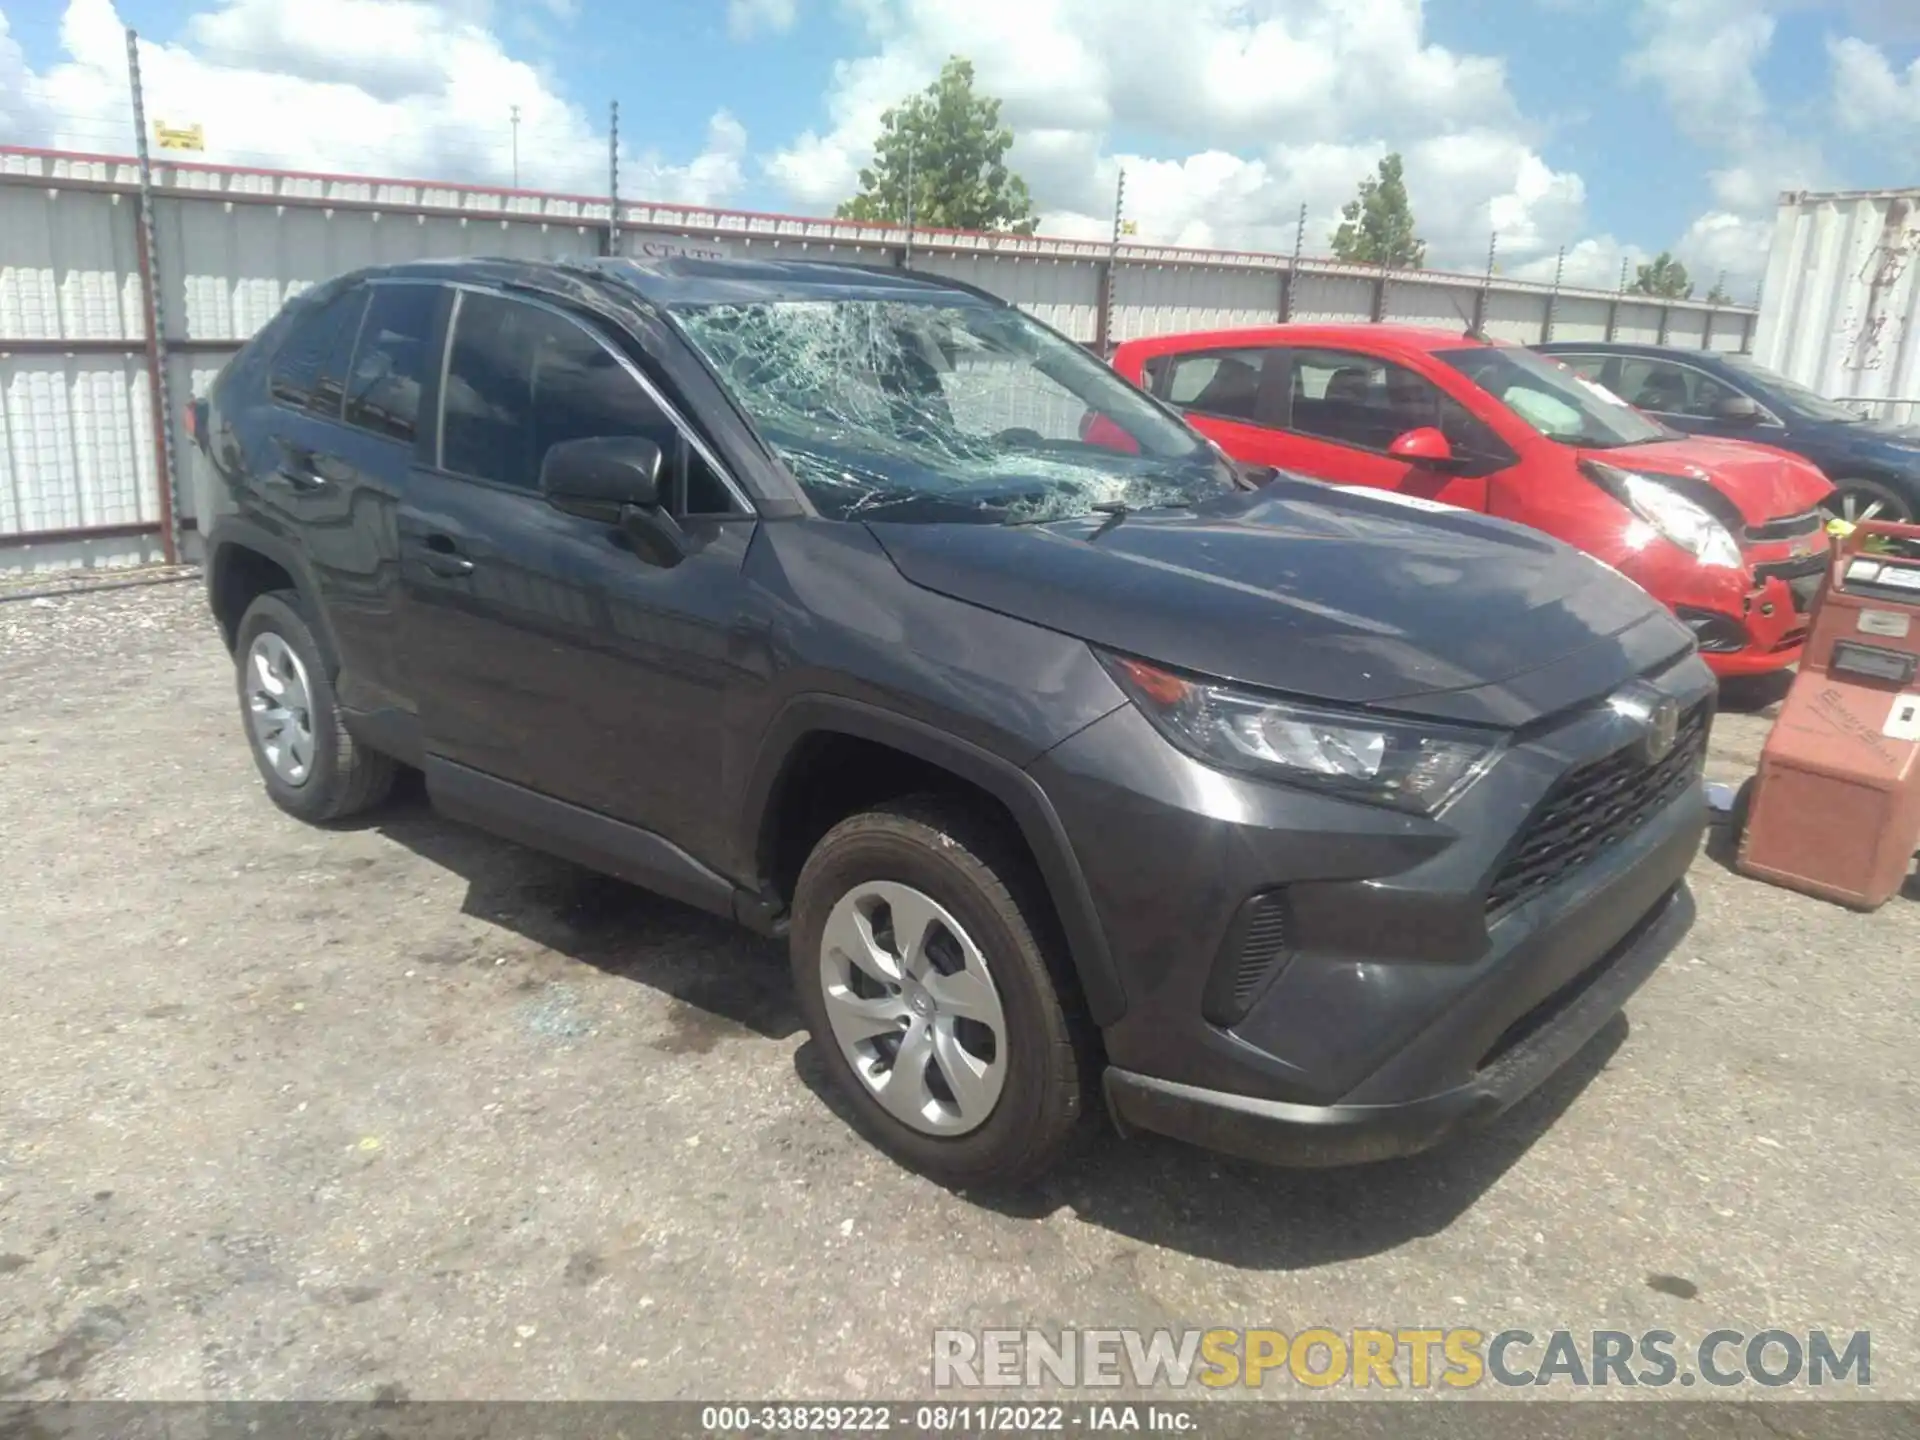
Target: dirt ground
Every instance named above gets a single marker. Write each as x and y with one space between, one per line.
403 1110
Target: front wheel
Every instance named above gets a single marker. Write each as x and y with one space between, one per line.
922 968
1858 500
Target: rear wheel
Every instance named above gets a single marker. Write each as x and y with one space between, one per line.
928 986
312 767
1858 500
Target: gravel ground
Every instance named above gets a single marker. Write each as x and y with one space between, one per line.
404 1110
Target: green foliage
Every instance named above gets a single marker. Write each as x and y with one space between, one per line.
1718 294
1377 227
958 150
1663 276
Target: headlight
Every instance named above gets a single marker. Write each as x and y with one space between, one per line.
1407 764
1669 512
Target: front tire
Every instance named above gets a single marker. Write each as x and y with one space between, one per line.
312 767
1855 500
922 960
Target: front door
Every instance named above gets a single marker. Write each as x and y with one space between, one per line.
1346 408
1691 401
549 650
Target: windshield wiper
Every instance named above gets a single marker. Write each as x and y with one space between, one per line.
1114 510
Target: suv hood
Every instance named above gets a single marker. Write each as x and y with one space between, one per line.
1761 483
1323 592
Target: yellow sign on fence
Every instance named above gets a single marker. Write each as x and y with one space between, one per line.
178 137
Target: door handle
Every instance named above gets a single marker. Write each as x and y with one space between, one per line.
297 468
444 558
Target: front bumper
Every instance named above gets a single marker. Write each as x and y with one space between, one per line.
1752 621
1285 1133
1410 994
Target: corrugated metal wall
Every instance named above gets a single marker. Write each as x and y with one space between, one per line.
1841 307
78 480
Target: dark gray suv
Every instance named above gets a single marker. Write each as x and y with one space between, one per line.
1307 823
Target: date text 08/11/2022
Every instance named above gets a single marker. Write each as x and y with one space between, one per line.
928 1419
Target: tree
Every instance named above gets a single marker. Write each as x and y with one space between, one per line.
1377 227
953 143
1663 276
1718 294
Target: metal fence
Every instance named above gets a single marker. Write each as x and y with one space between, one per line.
88 244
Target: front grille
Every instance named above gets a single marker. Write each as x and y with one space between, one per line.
1592 807
1787 527
1255 951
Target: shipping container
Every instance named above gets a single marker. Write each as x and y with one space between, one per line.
1840 311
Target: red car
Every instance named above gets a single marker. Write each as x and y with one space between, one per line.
1729 534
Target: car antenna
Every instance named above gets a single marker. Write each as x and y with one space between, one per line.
1473 330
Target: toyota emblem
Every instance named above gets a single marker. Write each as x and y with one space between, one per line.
1663 729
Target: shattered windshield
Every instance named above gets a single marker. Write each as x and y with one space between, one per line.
945 409
1553 399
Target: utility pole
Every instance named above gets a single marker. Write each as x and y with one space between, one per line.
907 258
1293 270
159 388
613 178
1553 299
1113 249
514 114
1625 262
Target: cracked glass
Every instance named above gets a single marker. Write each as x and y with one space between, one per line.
946 409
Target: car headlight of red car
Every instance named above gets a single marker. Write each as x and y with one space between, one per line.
1672 515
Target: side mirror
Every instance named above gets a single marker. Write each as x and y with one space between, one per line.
1737 410
1425 446
597 477
615 479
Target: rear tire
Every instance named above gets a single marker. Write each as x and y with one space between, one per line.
312 767
921 951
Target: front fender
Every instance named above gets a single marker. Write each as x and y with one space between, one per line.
815 714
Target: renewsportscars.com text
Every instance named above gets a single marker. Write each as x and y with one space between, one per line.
1453 1358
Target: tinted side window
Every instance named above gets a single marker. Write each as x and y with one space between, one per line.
391 362
522 379
1219 382
330 383
315 348
1368 403
1670 389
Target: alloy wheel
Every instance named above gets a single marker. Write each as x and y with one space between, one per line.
914 1008
1856 506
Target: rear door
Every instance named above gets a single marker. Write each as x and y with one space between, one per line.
346 390
547 650
1235 397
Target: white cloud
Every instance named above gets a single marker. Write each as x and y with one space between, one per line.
1870 96
1735 244
1702 55
747 19
1216 81
407 89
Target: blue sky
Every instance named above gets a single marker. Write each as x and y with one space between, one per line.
1612 127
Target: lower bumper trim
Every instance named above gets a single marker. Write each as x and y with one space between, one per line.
1283 1133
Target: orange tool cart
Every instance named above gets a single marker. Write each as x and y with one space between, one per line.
1835 808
